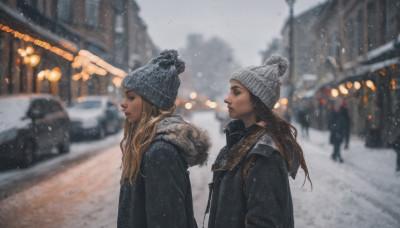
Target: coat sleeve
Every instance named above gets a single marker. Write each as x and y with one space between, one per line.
165 187
267 193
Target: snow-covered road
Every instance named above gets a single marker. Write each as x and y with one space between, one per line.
364 191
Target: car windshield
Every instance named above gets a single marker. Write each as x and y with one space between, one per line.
88 105
15 111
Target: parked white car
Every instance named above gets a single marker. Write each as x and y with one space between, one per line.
94 117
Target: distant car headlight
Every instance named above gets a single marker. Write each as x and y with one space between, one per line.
90 123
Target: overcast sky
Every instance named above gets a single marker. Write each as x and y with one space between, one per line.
247 25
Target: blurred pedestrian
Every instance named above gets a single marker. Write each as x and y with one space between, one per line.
250 186
344 110
157 149
338 119
396 147
304 120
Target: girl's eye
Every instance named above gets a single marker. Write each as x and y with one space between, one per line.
131 98
236 93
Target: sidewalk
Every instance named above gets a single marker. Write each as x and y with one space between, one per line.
364 191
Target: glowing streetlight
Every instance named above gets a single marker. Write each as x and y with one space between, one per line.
34 60
193 95
357 85
30 50
369 83
291 57
41 75
334 93
343 89
188 106
284 101
54 75
28 57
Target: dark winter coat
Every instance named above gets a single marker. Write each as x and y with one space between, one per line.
338 125
161 194
267 201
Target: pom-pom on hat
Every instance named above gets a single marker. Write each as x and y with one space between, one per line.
264 81
158 81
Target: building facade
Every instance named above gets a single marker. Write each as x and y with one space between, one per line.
352 48
70 48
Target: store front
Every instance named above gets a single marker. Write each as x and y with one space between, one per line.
33 60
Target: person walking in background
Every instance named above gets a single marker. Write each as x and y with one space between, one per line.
337 124
344 110
396 147
304 120
250 186
157 149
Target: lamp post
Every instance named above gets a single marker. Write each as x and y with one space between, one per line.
291 60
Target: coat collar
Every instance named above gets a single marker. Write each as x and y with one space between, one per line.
264 145
238 144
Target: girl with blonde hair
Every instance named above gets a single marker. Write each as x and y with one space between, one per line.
157 149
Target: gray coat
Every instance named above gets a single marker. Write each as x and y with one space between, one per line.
161 195
268 202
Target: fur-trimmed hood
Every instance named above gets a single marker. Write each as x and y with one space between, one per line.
192 142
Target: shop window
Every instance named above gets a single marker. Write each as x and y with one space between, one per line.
372 28
64 10
92 12
119 24
390 19
359 33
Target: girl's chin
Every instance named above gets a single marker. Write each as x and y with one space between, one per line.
130 120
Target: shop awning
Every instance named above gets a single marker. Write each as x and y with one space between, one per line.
20 27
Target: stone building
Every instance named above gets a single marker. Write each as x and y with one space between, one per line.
70 48
353 49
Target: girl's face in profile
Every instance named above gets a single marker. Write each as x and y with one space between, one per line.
131 105
239 103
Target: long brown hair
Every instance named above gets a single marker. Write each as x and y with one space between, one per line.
283 133
138 137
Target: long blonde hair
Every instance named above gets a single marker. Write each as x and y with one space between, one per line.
138 137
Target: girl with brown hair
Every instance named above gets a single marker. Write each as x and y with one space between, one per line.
157 149
250 185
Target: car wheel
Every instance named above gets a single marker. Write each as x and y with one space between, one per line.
28 154
101 132
64 146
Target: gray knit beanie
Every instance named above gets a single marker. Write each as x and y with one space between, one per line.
158 81
263 81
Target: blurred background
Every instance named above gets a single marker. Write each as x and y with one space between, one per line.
337 49
62 63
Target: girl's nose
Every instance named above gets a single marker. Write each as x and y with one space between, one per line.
226 100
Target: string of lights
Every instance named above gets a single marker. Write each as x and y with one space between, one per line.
90 63
66 55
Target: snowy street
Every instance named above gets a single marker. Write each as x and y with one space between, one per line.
364 191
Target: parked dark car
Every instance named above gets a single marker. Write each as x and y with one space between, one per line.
31 126
94 117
